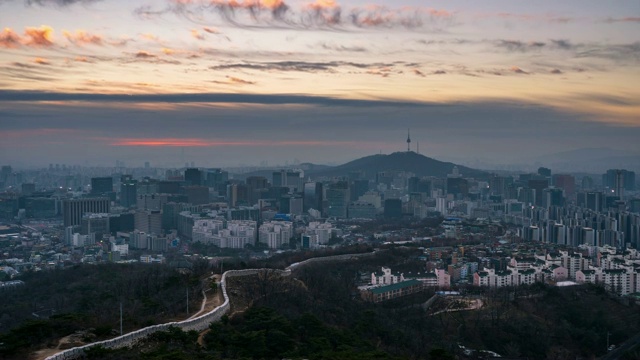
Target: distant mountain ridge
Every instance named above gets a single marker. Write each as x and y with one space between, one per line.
399 161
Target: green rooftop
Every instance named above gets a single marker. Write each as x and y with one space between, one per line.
396 286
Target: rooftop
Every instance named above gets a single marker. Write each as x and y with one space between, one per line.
396 286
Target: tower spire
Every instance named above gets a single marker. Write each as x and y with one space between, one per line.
408 140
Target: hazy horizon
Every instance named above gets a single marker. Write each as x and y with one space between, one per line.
501 82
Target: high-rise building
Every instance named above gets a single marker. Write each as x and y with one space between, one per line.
193 176
593 200
565 182
358 188
614 177
217 179
128 191
279 178
289 178
101 185
553 197
255 185
74 209
543 171
312 196
457 186
538 185
393 208
338 199
97 224
237 194
151 201
149 221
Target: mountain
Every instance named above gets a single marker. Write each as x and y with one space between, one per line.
400 161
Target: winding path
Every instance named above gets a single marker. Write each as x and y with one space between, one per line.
195 322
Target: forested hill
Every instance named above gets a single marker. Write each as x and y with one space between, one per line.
400 161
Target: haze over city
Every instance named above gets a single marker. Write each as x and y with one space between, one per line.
224 83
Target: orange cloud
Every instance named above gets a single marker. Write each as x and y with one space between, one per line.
323 4
210 30
9 39
39 37
518 70
81 37
149 36
82 59
41 61
439 13
196 142
196 35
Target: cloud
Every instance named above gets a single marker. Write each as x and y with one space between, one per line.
322 14
196 34
342 48
518 70
563 44
41 61
144 55
39 37
236 80
418 72
27 72
9 39
303 66
83 59
620 53
515 45
210 30
200 142
81 37
231 80
556 71
266 99
630 19
53 3
550 18
438 72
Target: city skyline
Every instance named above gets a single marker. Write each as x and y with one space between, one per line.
229 83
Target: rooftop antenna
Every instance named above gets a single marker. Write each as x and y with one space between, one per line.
408 140
418 149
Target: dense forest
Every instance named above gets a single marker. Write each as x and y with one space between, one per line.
57 303
317 313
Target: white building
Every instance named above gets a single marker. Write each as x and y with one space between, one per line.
234 234
385 277
322 231
275 233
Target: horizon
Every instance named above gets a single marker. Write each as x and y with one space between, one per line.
324 81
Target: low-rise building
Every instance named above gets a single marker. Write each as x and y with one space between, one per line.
392 291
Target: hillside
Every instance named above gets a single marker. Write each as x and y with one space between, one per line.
401 161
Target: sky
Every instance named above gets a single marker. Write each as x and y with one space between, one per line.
250 82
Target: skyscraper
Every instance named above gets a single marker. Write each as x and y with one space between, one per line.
74 209
338 198
313 196
193 176
128 191
612 178
101 185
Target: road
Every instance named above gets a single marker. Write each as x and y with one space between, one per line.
624 347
